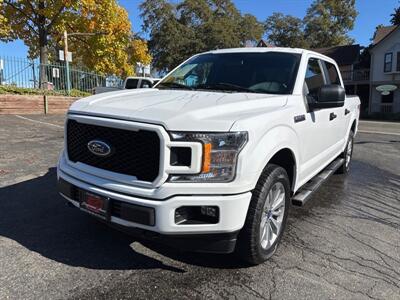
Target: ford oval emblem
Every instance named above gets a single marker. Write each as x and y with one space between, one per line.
99 148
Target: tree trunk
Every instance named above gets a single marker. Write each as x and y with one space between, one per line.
43 59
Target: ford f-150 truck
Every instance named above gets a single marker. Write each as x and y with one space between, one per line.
129 84
212 158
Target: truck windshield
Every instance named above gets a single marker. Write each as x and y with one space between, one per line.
249 72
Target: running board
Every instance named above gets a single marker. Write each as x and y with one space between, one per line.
305 192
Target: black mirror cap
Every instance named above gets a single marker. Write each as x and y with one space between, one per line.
331 95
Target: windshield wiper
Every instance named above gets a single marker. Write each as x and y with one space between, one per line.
224 86
175 85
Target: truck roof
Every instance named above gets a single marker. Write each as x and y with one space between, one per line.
269 49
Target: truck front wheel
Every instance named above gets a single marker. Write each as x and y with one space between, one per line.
266 217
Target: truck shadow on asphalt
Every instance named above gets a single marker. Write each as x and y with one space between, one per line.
35 216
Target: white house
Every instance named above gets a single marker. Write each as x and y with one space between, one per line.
385 70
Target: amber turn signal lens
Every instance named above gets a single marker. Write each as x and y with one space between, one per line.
206 158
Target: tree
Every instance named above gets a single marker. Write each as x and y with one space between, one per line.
327 22
138 52
285 31
40 25
168 38
251 29
178 31
109 48
4 28
395 16
33 22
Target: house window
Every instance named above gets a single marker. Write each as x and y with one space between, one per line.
398 61
388 62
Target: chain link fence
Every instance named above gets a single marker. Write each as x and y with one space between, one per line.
30 74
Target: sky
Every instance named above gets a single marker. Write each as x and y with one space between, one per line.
371 14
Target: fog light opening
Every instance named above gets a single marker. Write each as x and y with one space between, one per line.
210 211
191 215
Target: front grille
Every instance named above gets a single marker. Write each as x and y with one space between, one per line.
135 153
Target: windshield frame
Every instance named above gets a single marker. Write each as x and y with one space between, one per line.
292 80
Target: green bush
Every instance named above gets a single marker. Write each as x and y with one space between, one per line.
8 89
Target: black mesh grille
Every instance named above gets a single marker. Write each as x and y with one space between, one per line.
135 153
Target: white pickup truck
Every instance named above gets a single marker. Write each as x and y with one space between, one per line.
129 83
212 158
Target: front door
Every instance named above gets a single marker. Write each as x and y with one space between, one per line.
317 133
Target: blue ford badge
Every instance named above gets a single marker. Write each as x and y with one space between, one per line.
99 148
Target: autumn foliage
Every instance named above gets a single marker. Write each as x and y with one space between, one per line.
105 43
4 28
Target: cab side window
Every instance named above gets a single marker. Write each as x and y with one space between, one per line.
314 79
332 73
145 84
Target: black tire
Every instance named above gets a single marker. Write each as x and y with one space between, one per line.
248 246
345 168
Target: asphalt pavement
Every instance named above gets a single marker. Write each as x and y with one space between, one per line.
392 128
344 244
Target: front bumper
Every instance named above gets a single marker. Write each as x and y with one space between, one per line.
232 209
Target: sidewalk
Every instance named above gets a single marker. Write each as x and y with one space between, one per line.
379 127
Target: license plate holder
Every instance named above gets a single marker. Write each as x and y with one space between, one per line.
95 204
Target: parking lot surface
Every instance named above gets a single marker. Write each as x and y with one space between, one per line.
345 243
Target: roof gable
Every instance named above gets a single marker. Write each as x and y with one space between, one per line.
343 55
263 43
383 32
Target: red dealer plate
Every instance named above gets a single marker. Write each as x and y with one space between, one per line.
94 204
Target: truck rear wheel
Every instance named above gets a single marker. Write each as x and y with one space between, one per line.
347 155
266 217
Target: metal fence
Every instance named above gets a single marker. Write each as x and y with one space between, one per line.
26 73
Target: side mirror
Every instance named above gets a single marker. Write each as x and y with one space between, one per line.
331 95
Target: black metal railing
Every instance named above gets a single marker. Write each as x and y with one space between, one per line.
356 75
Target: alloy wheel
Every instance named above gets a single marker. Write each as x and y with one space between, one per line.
272 216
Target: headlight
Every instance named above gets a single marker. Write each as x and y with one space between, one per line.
220 153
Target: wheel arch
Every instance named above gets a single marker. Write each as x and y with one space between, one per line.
286 159
354 126
276 143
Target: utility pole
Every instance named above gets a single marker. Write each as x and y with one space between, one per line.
66 52
66 62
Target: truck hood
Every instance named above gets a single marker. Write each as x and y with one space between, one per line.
179 109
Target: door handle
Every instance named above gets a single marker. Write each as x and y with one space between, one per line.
332 116
346 111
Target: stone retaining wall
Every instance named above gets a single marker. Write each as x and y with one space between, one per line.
34 104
